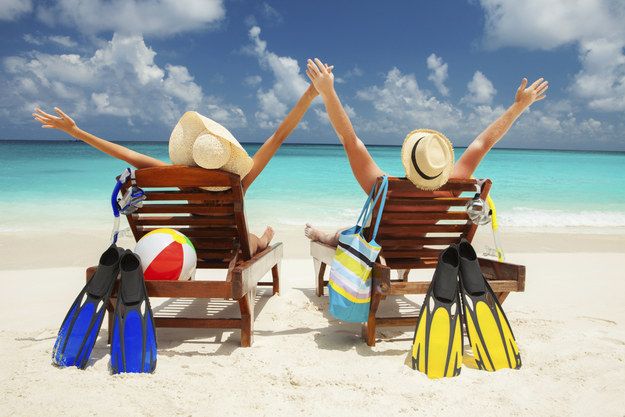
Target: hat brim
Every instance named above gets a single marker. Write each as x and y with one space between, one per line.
240 162
411 173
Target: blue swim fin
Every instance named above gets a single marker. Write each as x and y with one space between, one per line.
82 323
133 347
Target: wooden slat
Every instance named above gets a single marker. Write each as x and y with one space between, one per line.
197 221
421 287
204 243
202 209
194 289
183 176
417 222
187 196
212 264
222 232
412 254
425 215
402 184
416 242
396 321
411 264
419 230
214 253
427 201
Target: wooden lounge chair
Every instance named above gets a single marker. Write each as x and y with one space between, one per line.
215 223
416 225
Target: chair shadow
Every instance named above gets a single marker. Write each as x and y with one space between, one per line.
344 336
227 340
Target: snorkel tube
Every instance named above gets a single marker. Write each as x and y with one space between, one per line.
494 224
482 212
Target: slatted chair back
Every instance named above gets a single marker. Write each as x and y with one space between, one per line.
416 225
214 221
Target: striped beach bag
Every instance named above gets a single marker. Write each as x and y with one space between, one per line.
350 274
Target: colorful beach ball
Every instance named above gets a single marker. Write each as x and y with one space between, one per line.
166 254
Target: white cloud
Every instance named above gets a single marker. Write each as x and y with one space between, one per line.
594 26
119 79
14 9
438 74
322 115
64 41
271 13
253 80
288 84
145 17
356 71
401 104
481 90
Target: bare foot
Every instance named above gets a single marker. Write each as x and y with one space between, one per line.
317 235
268 234
265 239
313 233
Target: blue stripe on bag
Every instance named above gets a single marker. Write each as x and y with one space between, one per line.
350 272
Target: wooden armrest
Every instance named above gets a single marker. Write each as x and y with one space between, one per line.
322 252
503 271
246 274
381 277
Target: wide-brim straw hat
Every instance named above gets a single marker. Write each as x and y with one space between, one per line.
222 151
428 158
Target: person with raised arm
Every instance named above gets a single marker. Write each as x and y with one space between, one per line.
427 155
261 158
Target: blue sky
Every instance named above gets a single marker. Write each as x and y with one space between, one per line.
127 69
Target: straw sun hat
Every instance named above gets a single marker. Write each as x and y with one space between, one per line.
428 158
199 141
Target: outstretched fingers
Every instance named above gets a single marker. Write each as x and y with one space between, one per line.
43 114
63 115
536 83
313 68
321 66
542 88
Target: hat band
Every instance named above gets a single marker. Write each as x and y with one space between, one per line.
416 166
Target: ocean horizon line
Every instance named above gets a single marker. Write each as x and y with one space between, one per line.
338 145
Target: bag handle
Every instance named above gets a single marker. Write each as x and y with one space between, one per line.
365 209
382 192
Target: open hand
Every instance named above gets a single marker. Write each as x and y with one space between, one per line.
535 92
320 75
63 122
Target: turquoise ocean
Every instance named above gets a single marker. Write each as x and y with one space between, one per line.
59 184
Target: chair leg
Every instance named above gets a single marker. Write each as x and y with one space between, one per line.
320 269
369 327
246 306
275 273
501 296
403 274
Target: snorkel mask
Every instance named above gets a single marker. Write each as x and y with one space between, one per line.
128 203
478 210
483 212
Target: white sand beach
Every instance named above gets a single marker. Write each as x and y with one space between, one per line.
569 324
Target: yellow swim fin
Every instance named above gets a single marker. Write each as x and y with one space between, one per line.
437 345
488 329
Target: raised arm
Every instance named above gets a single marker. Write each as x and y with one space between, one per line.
525 97
66 124
270 147
363 166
